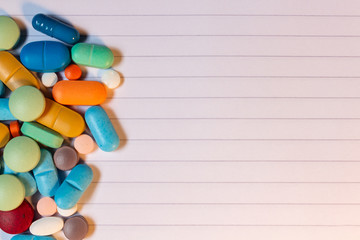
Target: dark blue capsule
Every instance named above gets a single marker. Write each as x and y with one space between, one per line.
56 29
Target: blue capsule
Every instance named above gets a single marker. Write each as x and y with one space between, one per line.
5 113
31 237
45 56
56 29
102 129
2 88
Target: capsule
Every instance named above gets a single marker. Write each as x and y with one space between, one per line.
4 135
79 92
62 119
45 56
92 55
13 74
5 113
55 28
73 187
42 134
31 237
102 129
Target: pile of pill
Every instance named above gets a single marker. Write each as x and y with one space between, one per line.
41 137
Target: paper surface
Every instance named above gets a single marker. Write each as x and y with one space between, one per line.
239 119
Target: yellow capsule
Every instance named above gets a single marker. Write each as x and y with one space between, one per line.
13 74
62 119
4 135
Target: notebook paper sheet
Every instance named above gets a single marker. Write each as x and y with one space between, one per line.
239 119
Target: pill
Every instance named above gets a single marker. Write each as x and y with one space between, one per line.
27 103
102 129
65 158
84 144
49 79
31 237
46 206
46 175
13 74
45 56
5 113
79 92
2 89
55 28
9 33
15 129
73 186
17 220
42 134
76 228
73 72
25 178
21 154
61 119
12 192
110 78
4 135
92 55
67 212
46 226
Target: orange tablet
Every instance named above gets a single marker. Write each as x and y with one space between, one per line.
79 92
15 129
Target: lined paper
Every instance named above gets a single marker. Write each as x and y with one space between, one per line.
238 119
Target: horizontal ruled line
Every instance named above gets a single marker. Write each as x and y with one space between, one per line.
229 203
224 161
202 15
239 56
236 118
222 225
242 139
183 182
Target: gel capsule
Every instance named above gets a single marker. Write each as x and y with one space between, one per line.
61 119
46 175
92 55
102 129
13 74
73 186
79 92
45 56
55 28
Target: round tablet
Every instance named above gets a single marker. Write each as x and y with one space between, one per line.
49 79
9 33
21 154
15 128
46 206
111 78
4 135
76 228
27 103
17 220
65 158
84 144
12 192
67 212
73 72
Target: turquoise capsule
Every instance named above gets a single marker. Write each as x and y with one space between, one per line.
5 113
2 88
102 129
92 55
73 187
31 237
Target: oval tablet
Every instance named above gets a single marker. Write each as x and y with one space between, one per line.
32 237
5 113
17 220
55 28
9 33
73 187
46 174
65 158
92 55
21 154
13 74
42 134
67 212
4 135
102 129
46 226
45 56
27 103
79 92
12 192
61 119
76 228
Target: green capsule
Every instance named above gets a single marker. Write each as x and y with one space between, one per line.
92 55
42 134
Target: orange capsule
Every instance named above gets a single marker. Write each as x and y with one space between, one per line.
79 92
15 129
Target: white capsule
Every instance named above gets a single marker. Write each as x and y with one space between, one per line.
110 78
67 212
46 226
49 79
